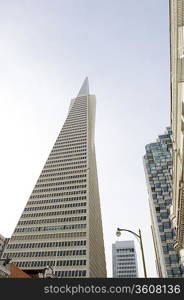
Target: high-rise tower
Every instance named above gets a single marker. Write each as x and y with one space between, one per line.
61 224
158 170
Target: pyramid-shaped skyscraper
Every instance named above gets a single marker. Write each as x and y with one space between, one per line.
61 224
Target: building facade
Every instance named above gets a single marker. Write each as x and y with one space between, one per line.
124 260
177 118
61 225
158 170
3 243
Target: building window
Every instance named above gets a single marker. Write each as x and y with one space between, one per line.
181 42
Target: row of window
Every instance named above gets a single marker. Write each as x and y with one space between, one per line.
125 263
76 116
51 161
52 165
60 183
70 187
76 137
57 220
71 199
81 103
46 263
73 119
75 151
72 135
73 156
47 245
72 151
163 206
49 236
68 145
77 109
55 213
61 169
70 128
126 260
63 148
76 119
55 206
131 268
70 142
54 175
127 250
126 276
76 273
74 123
62 178
49 228
58 194
125 255
46 253
55 166
73 130
75 133
78 113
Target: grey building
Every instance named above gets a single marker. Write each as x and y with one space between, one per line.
3 244
61 225
158 170
124 259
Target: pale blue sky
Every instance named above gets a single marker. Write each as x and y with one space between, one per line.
47 49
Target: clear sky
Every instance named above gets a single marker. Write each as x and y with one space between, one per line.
47 49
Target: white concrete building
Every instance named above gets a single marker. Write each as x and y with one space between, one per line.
61 225
124 259
177 119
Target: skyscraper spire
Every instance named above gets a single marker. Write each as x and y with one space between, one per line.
84 88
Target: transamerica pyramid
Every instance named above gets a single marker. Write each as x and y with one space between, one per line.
61 225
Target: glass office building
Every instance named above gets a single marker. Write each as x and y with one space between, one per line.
158 170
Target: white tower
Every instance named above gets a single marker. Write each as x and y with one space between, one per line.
61 226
